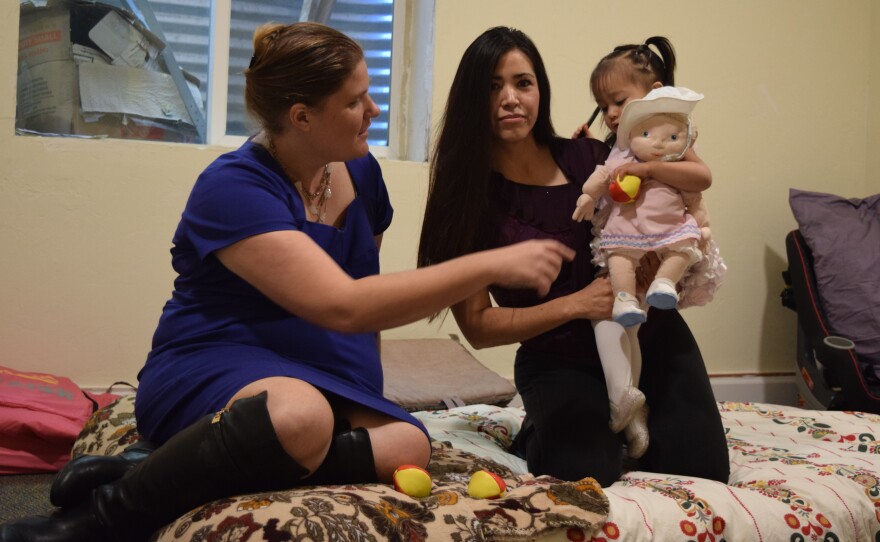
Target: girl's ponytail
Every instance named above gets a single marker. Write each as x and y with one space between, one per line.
662 64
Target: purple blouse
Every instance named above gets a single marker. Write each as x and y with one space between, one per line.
544 212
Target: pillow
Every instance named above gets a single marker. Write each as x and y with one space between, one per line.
109 431
434 374
40 417
844 237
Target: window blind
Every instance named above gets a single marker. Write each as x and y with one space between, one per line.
186 27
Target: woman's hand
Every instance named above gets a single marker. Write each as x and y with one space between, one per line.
594 301
530 264
583 131
485 325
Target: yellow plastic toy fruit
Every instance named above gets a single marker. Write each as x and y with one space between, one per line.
486 485
413 481
625 190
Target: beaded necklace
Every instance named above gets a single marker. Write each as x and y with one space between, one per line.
322 194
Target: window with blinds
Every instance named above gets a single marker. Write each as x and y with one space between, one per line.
186 27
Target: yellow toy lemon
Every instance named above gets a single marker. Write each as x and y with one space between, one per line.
413 481
625 190
486 485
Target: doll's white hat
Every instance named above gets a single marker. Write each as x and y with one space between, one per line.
679 100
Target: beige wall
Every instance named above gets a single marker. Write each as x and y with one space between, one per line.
873 117
85 226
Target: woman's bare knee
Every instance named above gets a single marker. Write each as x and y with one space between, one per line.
398 443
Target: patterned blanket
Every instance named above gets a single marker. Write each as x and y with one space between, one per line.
532 506
796 475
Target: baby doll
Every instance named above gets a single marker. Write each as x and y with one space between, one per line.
650 216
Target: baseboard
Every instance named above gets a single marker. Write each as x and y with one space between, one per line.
774 389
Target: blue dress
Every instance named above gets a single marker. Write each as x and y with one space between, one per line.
217 333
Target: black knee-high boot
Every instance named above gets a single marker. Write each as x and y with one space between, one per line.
229 453
75 481
349 459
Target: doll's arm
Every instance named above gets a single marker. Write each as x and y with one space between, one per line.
696 206
593 189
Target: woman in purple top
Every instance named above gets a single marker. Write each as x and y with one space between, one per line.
500 175
265 372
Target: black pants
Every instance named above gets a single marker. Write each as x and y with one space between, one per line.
566 403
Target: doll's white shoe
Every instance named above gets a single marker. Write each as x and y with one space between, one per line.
636 434
626 311
662 294
628 405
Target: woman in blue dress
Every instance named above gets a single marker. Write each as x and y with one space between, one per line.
265 372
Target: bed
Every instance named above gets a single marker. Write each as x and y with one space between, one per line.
795 475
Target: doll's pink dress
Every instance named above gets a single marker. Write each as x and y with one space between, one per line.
657 220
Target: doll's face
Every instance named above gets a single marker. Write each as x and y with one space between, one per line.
657 137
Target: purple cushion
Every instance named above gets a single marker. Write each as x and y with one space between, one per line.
844 237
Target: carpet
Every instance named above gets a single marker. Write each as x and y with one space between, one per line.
24 495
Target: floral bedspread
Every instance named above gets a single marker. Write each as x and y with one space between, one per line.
796 475
531 508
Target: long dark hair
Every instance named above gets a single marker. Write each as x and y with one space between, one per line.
638 64
458 214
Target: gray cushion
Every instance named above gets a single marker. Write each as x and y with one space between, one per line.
434 374
844 237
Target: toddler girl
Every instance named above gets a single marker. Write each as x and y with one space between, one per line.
628 73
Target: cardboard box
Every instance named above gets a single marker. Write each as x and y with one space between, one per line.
119 89
43 35
125 44
46 98
86 68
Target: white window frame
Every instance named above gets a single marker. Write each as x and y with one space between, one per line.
412 61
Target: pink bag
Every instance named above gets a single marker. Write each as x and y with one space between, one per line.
40 417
